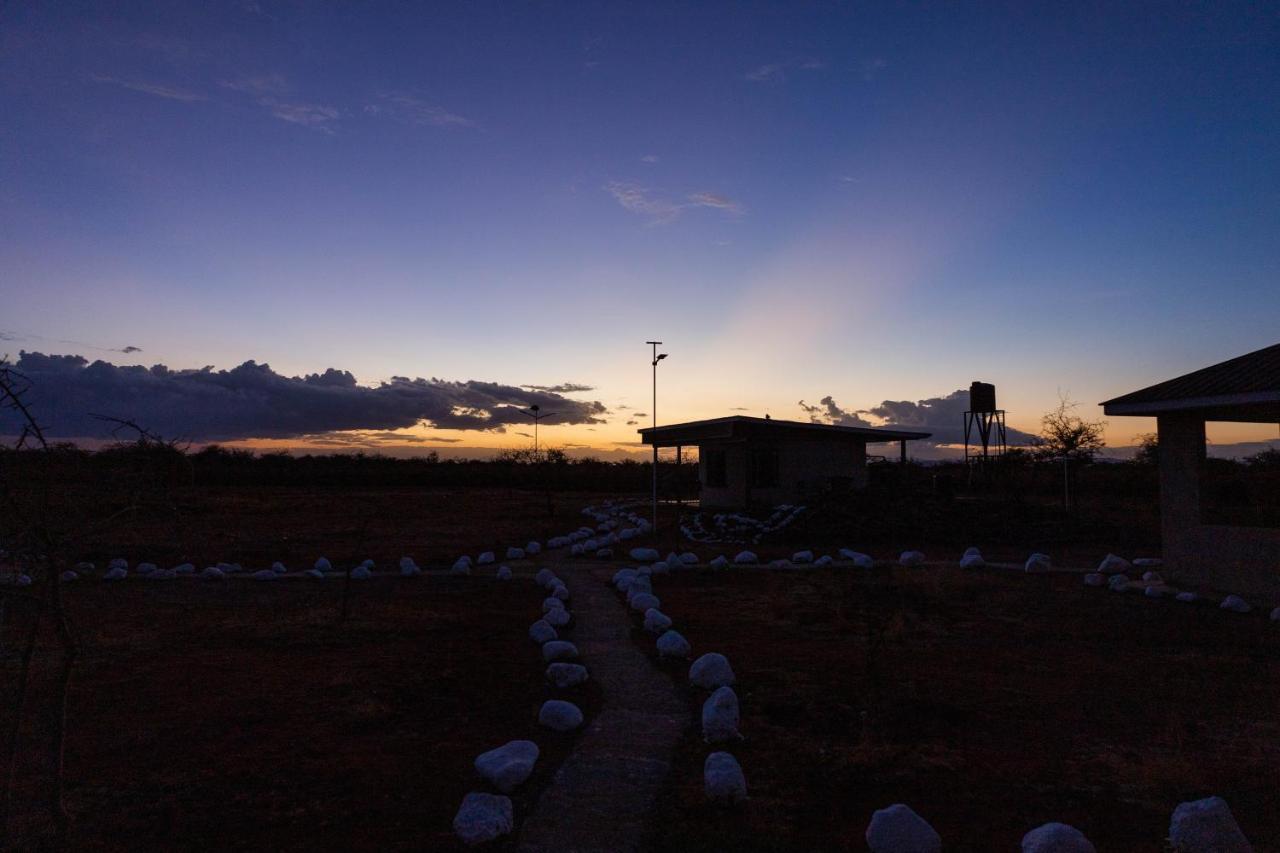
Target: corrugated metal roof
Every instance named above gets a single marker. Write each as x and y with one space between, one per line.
1255 375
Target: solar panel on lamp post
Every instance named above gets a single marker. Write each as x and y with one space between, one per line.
535 412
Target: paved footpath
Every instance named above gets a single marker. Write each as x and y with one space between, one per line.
602 796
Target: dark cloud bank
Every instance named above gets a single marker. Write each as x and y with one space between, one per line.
253 401
943 417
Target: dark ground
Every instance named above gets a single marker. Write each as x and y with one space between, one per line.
242 715
996 702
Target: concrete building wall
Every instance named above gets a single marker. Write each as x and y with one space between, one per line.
1244 560
806 464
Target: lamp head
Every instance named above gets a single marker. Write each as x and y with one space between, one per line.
660 357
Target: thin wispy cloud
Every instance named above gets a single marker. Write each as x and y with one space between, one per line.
659 208
159 90
649 158
708 199
777 71
315 116
259 85
412 110
870 68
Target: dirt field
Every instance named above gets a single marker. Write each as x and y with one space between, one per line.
257 525
242 715
996 702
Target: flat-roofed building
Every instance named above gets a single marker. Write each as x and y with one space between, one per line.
744 461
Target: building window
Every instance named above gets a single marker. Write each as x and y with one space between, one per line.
763 467
717 468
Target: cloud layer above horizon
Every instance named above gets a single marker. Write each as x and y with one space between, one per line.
253 401
942 417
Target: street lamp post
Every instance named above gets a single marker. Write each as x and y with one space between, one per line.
535 412
657 357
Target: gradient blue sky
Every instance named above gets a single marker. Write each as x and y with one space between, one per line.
869 201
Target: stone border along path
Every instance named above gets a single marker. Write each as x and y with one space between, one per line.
601 797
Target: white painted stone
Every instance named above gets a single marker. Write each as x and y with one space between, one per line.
559 715
361 573
1095 579
604 554
1153 577
1148 563
1038 563
277 567
514 553
483 817
1206 826
1056 838
824 560
509 766
485 558
859 559
655 621
898 829
145 568
118 563
720 562
1155 592
504 573
1111 565
68 576
230 568
323 565
559 650
804 557
313 573
711 671
369 564
746 558
1118 583
622 578
189 569
1187 597
560 591
722 779
644 555
533 548
689 558
264 575
645 600
1235 604
542 632
552 603
972 561
461 566
544 577
660 568
1275 615
558 618
911 558
672 559
566 674
720 716
972 549
672 644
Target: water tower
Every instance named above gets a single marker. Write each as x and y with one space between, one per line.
984 435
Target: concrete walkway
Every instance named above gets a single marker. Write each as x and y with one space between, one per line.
601 797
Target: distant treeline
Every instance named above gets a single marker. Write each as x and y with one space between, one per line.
161 463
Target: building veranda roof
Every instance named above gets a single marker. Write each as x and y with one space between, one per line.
738 427
1245 388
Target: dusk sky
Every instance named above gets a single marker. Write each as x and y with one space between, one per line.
866 202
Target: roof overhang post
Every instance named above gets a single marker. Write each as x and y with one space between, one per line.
902 447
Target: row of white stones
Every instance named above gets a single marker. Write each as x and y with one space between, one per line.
1200 826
